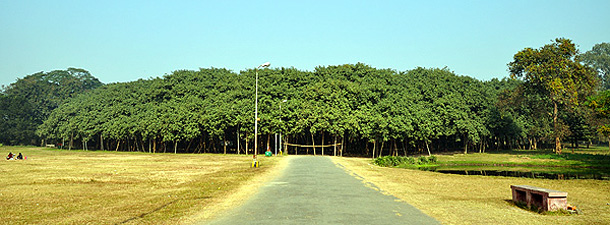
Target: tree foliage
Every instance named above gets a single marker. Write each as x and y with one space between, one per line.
599 58
210 109
30 100
554 73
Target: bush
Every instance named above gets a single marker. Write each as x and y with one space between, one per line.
386 161
394 161
409 160
423 160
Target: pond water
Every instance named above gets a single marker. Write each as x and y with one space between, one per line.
556 175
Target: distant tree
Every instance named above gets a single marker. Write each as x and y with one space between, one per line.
39 94
553 71
579 122
525 115
600 103
599 58
16 120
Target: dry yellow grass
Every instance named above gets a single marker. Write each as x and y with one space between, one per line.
79 187
457 199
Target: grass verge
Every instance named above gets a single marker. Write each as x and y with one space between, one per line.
80 187
458 199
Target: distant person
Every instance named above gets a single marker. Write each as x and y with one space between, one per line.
10 156
20 156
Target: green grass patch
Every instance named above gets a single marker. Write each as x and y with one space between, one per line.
560 212
581 158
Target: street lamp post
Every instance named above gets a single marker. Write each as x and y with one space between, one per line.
267 64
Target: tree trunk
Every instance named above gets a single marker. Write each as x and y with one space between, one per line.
237 134
313 144
246 143
213 145
200 144
224 143
204 147
405 146
556 129
296 149
285 144
342 145
395 148
381 149
189 146
465 144
101 142
374 145
429 154
335 147
268 142
176 147
118 143
322 142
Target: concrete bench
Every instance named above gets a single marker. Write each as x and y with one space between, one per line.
544 199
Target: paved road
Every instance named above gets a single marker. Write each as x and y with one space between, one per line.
313 190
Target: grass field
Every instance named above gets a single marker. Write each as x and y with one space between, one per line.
593 157
80 187
460 199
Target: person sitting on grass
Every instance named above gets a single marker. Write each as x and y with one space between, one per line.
20 156
10 156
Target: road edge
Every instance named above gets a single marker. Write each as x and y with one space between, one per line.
241 195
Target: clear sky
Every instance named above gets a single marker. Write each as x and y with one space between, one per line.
125 40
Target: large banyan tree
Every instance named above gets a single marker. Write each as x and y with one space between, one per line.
355 108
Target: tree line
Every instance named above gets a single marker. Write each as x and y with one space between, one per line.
359 109
368 110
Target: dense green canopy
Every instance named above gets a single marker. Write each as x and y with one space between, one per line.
26 103
371 111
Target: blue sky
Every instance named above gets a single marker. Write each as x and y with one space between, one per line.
119 41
